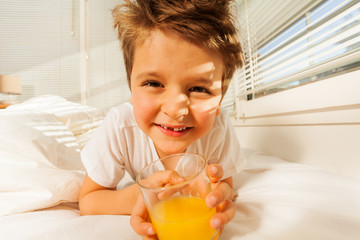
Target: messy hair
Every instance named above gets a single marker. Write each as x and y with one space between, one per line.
208 23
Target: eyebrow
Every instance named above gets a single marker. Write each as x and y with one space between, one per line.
147 74
195 79
204 81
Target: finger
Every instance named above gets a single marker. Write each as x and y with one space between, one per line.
169 192
166 178
171 177
215 172
220 193
226 212
138 218
162 178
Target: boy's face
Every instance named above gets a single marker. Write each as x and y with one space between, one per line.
175 91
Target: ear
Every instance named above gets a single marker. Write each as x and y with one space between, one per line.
218 110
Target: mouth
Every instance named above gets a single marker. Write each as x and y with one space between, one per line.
176 129
173 129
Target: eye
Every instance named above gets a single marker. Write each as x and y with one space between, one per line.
152 83
199 90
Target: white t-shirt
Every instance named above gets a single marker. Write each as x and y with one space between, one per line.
119 145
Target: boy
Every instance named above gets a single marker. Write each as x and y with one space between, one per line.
180 56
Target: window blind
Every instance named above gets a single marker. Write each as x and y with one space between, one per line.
107 84
42 43
315 40
268 18
39 43
228 101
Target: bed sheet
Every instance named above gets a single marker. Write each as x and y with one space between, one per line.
275 200
41 174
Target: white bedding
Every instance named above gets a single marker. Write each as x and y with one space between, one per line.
41 173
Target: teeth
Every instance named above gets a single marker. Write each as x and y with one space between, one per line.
179 129
174 129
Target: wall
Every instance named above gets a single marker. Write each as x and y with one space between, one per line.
316 124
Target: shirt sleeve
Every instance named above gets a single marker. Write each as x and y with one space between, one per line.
102 156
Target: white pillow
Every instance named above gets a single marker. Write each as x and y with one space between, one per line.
40 162
77 117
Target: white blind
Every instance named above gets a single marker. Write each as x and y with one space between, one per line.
253 16
106 71
228 101
39 43
268 18
304 46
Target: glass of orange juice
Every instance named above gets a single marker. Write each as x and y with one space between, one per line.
177 209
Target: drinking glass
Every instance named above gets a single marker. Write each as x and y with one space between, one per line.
178 210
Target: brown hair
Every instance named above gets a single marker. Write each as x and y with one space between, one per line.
208 23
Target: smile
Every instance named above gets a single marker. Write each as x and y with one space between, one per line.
173 131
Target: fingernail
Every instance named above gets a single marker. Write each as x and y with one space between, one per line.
216 223
214 169
211 201
150 231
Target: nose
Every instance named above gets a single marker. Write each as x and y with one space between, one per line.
176 104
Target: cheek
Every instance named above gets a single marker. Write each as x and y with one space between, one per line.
205 107
143 107
205 118
204 113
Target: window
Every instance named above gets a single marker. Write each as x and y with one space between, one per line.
39 43
42 42
305 41
106 76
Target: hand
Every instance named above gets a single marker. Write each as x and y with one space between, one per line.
140 220
220 197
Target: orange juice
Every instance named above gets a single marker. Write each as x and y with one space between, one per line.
183 218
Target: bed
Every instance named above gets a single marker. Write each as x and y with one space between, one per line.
41 173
